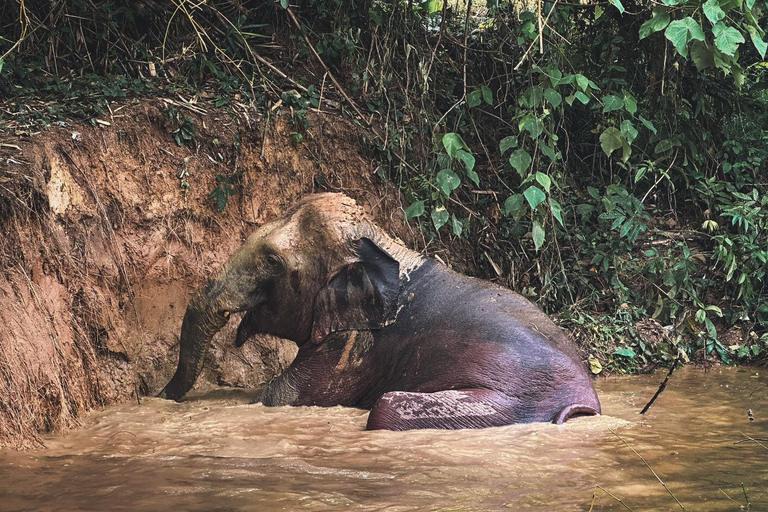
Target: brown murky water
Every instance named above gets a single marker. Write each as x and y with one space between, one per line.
219 453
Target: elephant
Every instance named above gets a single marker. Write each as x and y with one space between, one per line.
381 327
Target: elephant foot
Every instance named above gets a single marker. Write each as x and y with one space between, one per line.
450 410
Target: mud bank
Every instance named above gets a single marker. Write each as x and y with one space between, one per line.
107 230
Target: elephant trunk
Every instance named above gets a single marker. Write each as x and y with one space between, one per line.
202 321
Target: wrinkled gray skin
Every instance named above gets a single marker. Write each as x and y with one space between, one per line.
380 327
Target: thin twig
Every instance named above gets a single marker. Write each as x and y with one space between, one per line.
663 385
754 440
649 467
609 493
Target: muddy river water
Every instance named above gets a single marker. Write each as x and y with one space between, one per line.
217 452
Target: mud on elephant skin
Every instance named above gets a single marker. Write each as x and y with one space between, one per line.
380 327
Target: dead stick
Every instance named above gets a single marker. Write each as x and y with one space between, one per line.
662 387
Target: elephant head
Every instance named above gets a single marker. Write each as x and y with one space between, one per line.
322 267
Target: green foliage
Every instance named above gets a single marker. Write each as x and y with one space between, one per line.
225 189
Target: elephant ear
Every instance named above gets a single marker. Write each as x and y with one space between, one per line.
361 295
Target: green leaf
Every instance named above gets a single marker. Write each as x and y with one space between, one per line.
457 225
630 103
487 94
507 143
474 177
657 23
611 103
582 97
625 352
681 32
514 204
553 97
415 210
582 82
611 140
598 12
533 126
521 161
439 217
544 180
284 4
466 158
727 39
628 131
673 2
647 124
474 98
663 146
702 56
548 151
453 142
534 196
712 11
617 4
1 64
760 45
538 234
448 181
557 210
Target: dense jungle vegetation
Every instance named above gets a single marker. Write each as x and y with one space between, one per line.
607 159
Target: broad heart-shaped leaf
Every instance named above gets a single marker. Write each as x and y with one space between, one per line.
681 32
521 161
760 45
474 177
439 217
628 130
415 210
533 126
553 97
507 143
712 11
537 231
453 142
544 181
448 181
534 196
618 5
658 22
702 56
467 158
514 204
487 94
611 140
727 39
611 103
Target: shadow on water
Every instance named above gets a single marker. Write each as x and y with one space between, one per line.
218 452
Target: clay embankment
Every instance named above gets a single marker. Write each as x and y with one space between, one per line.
102 246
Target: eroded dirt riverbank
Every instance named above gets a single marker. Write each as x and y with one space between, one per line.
217 452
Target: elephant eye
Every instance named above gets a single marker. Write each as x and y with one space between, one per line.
273 259
224 313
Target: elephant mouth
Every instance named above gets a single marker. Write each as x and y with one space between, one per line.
249 325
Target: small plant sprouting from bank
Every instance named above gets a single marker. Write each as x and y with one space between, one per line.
225 189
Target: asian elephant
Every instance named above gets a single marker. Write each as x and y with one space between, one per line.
380 327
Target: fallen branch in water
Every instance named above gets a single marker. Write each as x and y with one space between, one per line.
663 385
649 467
606 491
755 440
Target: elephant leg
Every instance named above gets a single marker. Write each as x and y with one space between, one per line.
451 410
